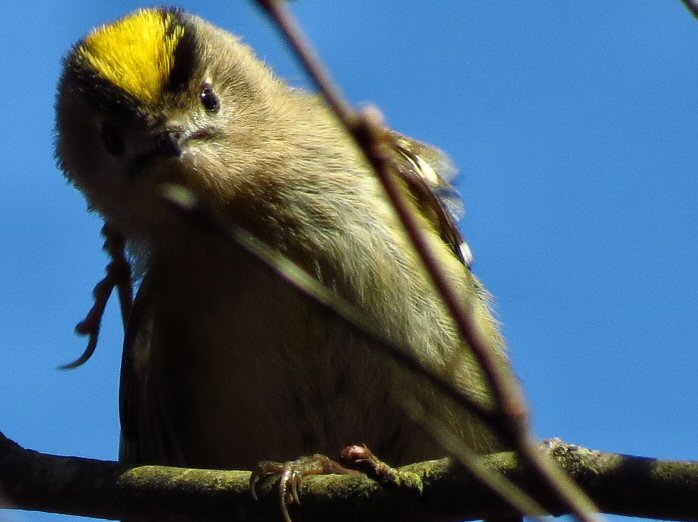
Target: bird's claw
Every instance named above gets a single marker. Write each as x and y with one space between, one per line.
291 475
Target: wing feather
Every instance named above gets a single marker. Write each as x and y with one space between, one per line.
427 172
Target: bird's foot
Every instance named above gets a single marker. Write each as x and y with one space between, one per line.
360 458
291 474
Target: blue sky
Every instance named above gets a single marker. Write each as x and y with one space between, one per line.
573 125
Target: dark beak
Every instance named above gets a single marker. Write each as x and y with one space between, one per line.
166 143
169 142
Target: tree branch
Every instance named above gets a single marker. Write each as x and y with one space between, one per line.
367 130
692 6
619 484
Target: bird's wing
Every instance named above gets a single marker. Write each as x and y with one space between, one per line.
427 173
146 431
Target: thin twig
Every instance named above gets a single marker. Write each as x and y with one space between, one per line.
504 487
691 5
186 203
370 137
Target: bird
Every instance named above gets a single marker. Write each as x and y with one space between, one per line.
224 363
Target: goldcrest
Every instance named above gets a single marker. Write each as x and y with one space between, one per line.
224 363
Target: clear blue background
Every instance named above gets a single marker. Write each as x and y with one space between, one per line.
575 128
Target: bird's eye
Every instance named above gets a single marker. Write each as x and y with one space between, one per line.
113 140
209 99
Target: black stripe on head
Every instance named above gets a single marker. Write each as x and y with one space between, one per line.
185 56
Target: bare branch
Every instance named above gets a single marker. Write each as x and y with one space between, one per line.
186 203
691 5
369 134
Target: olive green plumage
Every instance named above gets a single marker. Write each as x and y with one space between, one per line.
224 363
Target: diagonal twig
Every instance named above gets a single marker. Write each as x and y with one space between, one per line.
370 136
691 5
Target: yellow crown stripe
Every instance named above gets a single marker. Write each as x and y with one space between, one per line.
136 53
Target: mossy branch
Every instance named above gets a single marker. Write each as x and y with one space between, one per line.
619 484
